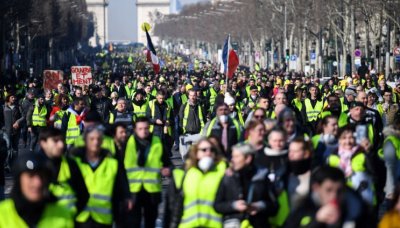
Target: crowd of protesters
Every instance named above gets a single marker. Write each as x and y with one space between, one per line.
262 149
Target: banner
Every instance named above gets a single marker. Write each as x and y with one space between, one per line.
51 78
81 75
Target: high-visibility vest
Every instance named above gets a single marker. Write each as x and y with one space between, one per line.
297 103
213 95
343 105
54 215
62 190
312 113
107 144
39 118
358 164
396 144
139 111
153 114
73 130
212 123
184 98
148 176
127 119
198 210
186 116
129 91
58 116
100 184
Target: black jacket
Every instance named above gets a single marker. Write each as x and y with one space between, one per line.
102 106
237 187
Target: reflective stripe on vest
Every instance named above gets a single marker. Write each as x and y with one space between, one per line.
212 123
186 116
198 201
100 184
148 176
139 111
73 130
39 118
62 190
53 215
153 114
312 113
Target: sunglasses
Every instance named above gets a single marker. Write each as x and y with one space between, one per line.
205 149
259 117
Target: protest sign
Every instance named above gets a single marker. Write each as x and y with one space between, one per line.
81 75
51 78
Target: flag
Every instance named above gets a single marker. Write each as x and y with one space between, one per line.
152 54
230 59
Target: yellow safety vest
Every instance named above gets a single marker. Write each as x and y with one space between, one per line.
73 130
186 116
58 116
153 114
213 95
39 118
139 111
100 184
312 113
149 176
212 123
198 209
53 215
62 190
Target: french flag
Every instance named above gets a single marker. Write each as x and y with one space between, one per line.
230 59
152 54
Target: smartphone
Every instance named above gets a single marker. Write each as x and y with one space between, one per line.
361 133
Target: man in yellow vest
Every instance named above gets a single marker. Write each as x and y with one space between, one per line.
145 160
67 183
31 204
37 120
139 104
312 107
191 121
72 122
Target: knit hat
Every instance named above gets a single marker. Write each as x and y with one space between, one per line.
229 100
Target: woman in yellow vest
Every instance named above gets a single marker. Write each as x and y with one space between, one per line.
192 192
31 204
355 163
105 180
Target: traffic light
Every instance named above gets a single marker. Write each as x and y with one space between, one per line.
377 53
287 54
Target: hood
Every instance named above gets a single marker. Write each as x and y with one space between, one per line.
389 130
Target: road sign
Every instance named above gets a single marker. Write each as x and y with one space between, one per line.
357 61
396 51
293 57
397 58
313 56
357 53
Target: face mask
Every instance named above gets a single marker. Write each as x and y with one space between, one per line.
301 166
328 138
223 118
253 97
205 163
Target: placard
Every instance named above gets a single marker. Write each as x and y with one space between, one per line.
51 78
81 75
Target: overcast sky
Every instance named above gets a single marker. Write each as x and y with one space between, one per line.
122 19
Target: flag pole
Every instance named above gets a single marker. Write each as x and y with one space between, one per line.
227 63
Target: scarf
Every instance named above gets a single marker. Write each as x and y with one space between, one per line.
345 160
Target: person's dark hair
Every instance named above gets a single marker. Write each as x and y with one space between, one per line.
50 132
253 123
9 96
77 100
306 144
141 119
325 172
323 123
161 92
345 129
58 101
115 126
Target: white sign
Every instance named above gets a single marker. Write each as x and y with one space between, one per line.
357 61
293 62
81 75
